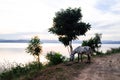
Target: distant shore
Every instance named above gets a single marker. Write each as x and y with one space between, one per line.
55 41
1 69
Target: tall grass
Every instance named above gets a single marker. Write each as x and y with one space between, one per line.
28 71
20 70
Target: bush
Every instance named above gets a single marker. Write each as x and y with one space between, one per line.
113 50
99 53
55 58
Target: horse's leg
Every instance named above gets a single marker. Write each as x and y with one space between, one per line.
89 58
81 58
78 57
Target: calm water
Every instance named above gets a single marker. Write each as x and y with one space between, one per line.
15 52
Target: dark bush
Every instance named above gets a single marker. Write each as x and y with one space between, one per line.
99 53
55 58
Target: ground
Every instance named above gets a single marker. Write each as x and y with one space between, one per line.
101 68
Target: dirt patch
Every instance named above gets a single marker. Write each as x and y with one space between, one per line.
64 71
103 68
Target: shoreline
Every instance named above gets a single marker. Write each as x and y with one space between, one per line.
1 70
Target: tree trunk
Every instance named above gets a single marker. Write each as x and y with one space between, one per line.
71 48
38 59
78 57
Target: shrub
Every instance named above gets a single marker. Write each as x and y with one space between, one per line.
113 50
55 58
99 53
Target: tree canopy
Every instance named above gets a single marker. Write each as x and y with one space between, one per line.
68 25
94 43
34 47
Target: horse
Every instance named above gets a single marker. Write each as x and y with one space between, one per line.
82 50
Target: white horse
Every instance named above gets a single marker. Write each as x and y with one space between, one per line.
82 50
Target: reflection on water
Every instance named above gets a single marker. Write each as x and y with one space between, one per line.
15 52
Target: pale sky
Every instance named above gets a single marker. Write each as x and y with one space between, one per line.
23 19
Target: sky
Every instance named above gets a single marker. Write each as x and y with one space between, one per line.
23 19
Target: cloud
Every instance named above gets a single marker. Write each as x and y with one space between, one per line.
28 16
105 5
23 16
112 6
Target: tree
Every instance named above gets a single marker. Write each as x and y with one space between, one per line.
34 47
97 41
94 43
68 26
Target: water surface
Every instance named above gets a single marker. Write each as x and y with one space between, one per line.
15 52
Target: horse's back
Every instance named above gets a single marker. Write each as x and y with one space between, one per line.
82 49
88 49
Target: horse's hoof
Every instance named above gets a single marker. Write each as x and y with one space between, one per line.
88 62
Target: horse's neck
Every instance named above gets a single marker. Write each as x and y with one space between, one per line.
73 52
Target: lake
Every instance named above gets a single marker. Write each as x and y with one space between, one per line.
15 52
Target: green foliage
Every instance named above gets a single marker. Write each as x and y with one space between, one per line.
68 26
55 58
20 70
113 51
90 43
94 43
64 40
97 40
34 47
99 53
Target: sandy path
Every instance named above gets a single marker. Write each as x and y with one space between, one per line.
105 68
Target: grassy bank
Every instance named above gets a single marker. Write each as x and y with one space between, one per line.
37 71
14 73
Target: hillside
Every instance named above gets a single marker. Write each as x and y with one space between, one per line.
101 68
